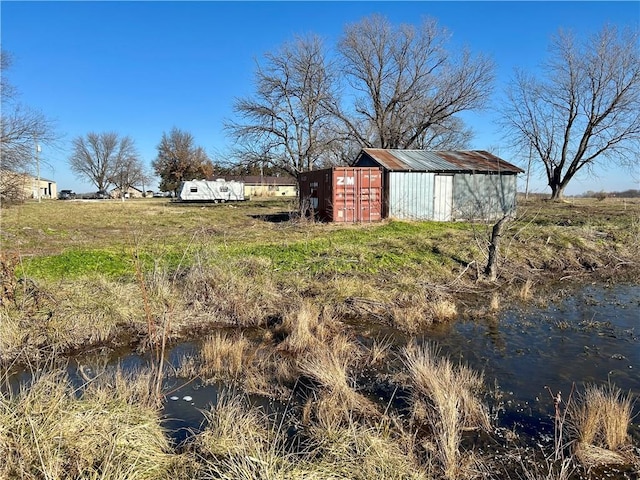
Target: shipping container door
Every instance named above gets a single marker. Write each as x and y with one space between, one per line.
343 202
442 198
369 195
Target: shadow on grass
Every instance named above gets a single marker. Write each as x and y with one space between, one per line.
279 217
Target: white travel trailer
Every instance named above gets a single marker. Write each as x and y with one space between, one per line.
216 191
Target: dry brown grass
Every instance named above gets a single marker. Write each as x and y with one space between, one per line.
413 311
332 367
241 442
232 357
224 356
107 430
494 304
303 327
270 374
379 350
61 317
445 397
366 451
232 424
600 421
444 309
526 292
229 296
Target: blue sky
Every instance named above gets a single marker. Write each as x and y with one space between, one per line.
141 68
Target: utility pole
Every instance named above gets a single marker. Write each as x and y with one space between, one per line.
38 170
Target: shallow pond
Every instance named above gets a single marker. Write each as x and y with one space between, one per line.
593 336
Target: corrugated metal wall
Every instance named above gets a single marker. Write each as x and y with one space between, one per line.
463 196
483 196
411 195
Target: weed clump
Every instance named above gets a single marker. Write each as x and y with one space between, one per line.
599 422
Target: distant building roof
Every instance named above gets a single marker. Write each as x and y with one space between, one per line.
438 161
258 179
26 175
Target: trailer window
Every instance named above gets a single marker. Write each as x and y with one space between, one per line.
193 189
224 189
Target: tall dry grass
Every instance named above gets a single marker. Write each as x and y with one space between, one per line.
414 311
106 429
526 290
332 367
599 422
224 356
240 442
57 318
446 398
304 328
237 292
363 451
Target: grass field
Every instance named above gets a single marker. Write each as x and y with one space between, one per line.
92 270
275 300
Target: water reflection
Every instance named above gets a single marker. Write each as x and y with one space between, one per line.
591 337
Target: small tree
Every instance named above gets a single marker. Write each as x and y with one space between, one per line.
584 111
98 157
128 172
179 160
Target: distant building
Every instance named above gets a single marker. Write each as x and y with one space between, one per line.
264 186
131 192
23 186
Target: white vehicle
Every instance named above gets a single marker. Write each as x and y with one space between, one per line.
216 191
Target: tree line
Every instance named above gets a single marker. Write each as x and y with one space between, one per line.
403 87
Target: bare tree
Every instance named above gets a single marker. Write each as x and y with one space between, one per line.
21 129
584 110
99 156
179 159
408 86
285 123
128 172
450 134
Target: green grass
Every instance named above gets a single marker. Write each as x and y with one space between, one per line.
311 249
113 264
79 263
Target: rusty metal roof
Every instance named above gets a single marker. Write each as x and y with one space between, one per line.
439 161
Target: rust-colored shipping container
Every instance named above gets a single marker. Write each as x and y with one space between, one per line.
342 194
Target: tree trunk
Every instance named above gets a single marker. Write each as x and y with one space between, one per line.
557 192
555 183
491 270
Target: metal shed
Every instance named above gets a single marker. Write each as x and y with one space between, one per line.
342 194
443 185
